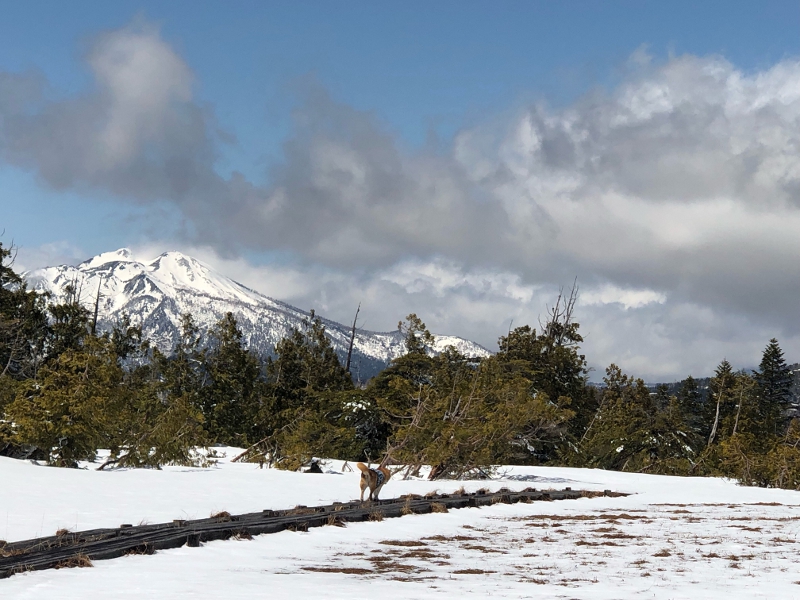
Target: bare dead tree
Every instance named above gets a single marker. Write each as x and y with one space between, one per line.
96 309
352 340
559 316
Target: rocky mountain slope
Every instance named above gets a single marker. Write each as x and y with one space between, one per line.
156 293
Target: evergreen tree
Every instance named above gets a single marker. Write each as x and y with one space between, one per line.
305 367
231 399
69 323
418 340
68 412
630 433
690 403
551 362
720 404
23 326
774 380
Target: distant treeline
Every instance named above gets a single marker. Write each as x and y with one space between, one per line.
67 390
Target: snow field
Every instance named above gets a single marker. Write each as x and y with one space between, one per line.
672 538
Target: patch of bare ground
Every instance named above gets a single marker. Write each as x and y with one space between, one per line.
536 580
472 572
587 543
404 543
452 538
424 555
663 553
345 570
385 565
482 548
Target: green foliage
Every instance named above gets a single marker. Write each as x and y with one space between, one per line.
23 326
774 381
66 392
231 398
69 411
630 432
418 340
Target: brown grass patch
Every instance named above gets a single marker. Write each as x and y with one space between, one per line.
453 538
222 516
383 565
438 507
423 554
482 548
300 510
62 532
336 521
376 515
472 572
663 553
79 561
404 543
143 548
345 570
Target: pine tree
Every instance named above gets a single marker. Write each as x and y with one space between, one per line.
68 412
720 404
690 403
23 326
774 380
231 399
69 323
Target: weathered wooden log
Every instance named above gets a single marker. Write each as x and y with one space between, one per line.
102 544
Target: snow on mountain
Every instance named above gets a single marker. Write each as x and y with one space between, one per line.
156 293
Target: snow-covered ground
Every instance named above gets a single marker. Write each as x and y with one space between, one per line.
672 538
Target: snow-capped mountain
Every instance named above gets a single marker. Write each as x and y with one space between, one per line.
156 293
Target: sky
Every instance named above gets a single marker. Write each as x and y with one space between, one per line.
461 160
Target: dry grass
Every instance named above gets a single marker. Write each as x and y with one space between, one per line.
222 516
345 570
79 561
143 548
472 572
376 515
404 543
438 507
336 521
407 510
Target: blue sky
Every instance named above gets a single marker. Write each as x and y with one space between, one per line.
408 82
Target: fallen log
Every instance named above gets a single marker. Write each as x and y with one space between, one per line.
80 548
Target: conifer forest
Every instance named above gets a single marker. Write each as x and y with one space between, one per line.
68 390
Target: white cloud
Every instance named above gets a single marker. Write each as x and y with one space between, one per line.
674 198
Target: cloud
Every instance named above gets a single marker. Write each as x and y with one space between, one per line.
674 197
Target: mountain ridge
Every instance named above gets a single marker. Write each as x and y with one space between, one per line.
156 293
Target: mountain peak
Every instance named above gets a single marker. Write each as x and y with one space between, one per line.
155 294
